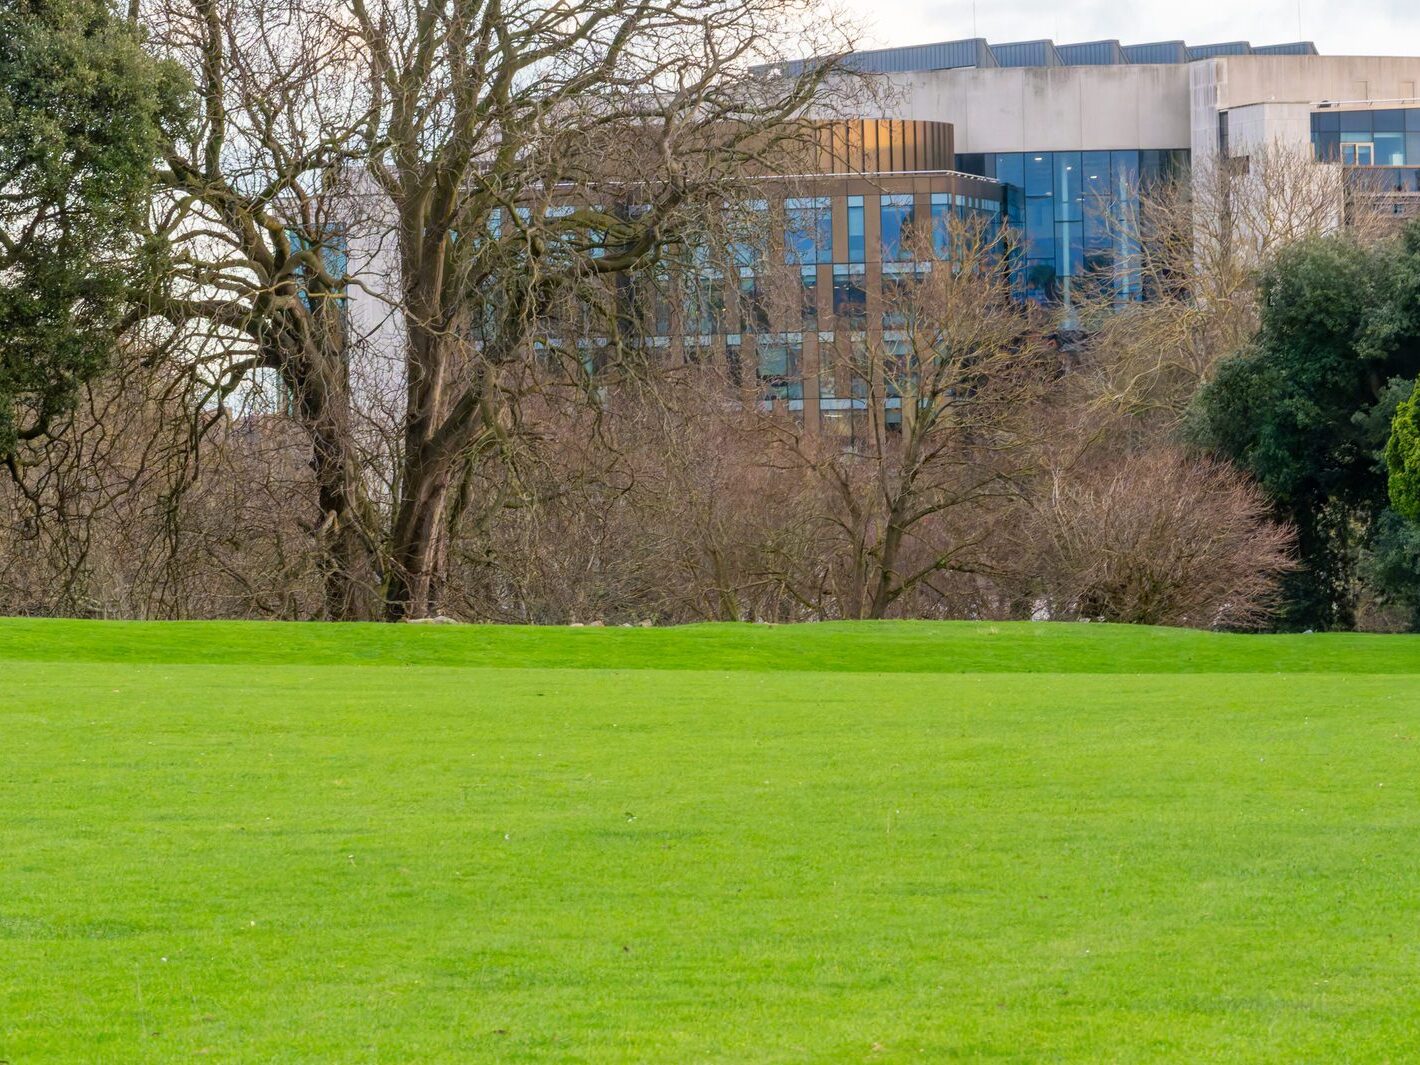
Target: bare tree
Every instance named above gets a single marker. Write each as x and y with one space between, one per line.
117 516
942 398
1181 291
1155 538
429 185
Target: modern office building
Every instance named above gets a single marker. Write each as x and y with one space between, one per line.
785 309
846 221
1055 140
1072 131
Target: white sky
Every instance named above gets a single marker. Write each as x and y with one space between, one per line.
1360 27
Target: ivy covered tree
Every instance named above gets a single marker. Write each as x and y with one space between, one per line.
1403 458
1307 410
83 110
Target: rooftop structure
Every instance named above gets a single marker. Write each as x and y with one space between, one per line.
978 52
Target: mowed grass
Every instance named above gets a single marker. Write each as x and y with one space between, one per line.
870 843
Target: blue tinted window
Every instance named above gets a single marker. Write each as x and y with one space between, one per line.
1094 178
1099 261
1390 149
1067 186
857 245
808 278
1327 122
895 217
1412 119
1150 166
1039 175
809 225
850 294
941 222
1327 146
897 291
1040 218
974 163
1388 120
1069 254
1412 149
1124 172
335 261
1358 120
1097 228
1009 169
1042 247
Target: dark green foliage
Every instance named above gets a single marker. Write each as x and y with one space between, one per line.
1402 458
1391 565
1307 410
82 113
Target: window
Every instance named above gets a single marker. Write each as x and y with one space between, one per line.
1353 133
1067 186
1094 180
941 207
857 241
334 254
1040 226
652 288
850 294
779 360
895 214
1152 167
1223 134
1040 280
1387 121
1069 254
754 311
808 281
1039 174
974 163
1124 172
898 288
1390 148
749 228
1326 122
1010 169
809 230
1360 154
900 372
705 305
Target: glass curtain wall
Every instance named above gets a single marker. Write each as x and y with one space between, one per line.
1380 148
1072 212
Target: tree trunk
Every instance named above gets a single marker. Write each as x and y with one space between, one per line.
350 570
349 559
417 548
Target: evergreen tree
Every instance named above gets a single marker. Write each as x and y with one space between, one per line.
83 111
1307 409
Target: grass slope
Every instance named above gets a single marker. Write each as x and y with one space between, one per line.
895 842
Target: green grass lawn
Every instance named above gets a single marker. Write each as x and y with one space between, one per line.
857 843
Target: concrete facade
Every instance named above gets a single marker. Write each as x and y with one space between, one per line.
1025 109
1155 105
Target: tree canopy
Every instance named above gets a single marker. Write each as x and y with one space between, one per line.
82 110
1307 408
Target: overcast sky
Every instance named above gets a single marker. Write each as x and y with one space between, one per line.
1366 27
